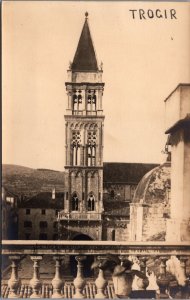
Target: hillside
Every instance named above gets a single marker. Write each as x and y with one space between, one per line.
27 181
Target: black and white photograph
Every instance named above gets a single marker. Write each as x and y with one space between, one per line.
95 150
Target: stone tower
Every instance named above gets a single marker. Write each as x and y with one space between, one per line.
82 214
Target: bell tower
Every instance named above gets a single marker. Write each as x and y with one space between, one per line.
84 119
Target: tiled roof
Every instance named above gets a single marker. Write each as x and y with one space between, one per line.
130 173
85 57
116 208
44 200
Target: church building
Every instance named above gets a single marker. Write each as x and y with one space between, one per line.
84 120
91 199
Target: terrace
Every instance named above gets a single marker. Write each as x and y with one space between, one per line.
44 269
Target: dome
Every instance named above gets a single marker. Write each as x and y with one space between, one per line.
154 186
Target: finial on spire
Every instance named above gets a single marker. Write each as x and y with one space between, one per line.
86 15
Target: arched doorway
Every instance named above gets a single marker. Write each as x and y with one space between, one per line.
82 237
86 263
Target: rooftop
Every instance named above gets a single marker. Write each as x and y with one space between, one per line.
130 173
44 200
85 57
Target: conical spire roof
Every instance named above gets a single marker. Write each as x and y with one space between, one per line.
85 57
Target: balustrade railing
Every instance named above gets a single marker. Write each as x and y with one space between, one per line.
78 216
140 270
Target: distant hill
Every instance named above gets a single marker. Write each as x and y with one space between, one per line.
29 182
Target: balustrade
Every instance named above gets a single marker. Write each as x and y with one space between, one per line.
79 281
101 283
57 281
78 216
63 285
35 282
13 282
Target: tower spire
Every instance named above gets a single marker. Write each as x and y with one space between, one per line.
85 57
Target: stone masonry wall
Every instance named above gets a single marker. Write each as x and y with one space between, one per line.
35 217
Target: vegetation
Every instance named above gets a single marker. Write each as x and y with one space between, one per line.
23 181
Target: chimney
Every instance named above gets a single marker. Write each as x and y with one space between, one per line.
53 194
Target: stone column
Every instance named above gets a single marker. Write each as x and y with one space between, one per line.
86 100
163 280
82 156
57 281
69 191
100 99
35 282
66 144
79 281
183 261
101 282
143 283
69 93
14 281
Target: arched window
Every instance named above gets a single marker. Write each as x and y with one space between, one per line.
75 202
113 235
91 202
91 100
77 101
28 224
91 148
75 144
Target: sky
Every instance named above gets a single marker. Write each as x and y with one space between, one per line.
143 61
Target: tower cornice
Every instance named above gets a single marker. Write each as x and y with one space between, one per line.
86 117
84 83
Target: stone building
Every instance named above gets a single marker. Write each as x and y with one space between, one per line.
38 216
178 130
84 143
92 200
120 181
95 195
150 207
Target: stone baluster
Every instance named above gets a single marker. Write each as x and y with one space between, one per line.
14 281
57 281
163 279
79 282
143 283
101 282
184 280
35 282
